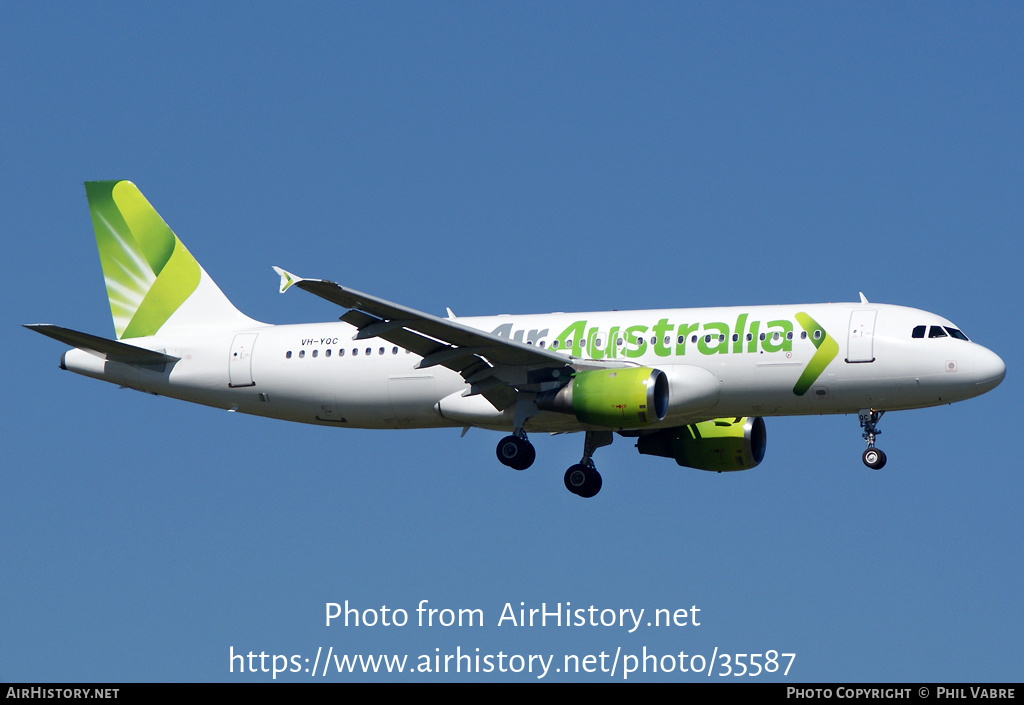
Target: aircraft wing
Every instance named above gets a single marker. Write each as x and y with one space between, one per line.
494 366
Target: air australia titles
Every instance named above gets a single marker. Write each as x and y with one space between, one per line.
667 338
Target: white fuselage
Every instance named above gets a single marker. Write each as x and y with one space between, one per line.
721 362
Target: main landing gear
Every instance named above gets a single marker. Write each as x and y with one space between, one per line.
873 457
581 479
516 451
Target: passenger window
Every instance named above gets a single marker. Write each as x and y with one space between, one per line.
918 331
315 353
302 353
288 355
936 332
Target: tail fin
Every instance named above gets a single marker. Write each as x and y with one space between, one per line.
154 284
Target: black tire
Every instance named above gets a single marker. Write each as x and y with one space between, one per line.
575 477
516 453
583 480
594 483
874 458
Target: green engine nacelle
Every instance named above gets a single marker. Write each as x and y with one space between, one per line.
626 397
718 445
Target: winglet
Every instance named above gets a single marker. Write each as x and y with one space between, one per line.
863 299
287 279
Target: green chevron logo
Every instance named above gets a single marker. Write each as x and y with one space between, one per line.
826 350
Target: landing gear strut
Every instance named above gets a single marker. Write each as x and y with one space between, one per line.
872 457
583 479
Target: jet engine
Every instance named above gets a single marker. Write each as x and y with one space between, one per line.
718 445
627 397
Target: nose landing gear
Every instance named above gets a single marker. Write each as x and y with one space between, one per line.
872 457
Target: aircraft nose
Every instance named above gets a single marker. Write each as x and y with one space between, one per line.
989 370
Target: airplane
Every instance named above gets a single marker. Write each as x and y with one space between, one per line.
693 385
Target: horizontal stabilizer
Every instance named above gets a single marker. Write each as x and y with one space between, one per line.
111 349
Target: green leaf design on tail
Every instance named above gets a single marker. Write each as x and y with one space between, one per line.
148 272
826 350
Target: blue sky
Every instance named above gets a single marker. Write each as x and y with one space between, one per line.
511 157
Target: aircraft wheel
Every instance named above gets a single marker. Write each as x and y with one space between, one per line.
874 458
516 453
583 480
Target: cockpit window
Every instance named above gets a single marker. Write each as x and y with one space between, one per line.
938 332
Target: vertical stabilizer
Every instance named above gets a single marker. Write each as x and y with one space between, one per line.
153 283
